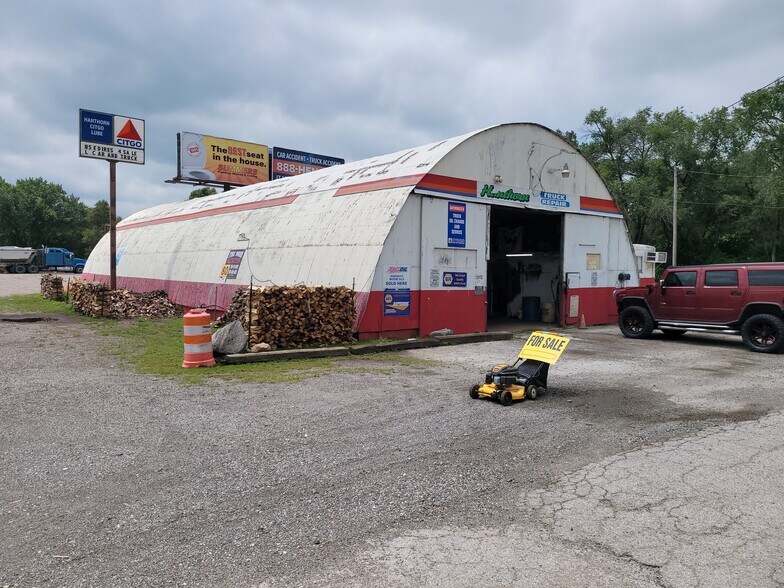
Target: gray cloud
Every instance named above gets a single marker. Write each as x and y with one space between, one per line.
353 79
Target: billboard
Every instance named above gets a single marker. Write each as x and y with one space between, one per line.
221 161
288 162
111 137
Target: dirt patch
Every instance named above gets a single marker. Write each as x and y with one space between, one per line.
26 319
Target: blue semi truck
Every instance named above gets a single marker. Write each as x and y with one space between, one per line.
20 260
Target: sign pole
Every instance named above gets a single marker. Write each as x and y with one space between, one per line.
112 224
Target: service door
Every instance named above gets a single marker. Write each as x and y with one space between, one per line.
679 296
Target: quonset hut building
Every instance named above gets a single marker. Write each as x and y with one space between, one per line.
509 221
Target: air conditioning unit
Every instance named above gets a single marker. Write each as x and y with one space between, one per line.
656 256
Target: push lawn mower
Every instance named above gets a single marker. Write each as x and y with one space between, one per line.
526 378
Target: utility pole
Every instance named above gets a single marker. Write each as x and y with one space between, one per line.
674 215
112 224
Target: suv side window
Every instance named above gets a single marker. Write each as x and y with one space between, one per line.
721 278
680 279
766 277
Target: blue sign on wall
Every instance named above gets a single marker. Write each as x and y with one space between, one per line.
397 302
455 279
96 127
456 225
233 261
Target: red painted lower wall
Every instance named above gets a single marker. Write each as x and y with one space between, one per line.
596 305
461 311
188 294
431 310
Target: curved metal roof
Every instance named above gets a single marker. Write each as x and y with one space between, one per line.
326 227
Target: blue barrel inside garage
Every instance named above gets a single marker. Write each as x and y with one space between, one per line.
531 308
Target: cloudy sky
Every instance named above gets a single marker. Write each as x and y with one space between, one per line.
351 78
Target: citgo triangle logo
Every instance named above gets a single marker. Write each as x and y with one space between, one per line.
129 132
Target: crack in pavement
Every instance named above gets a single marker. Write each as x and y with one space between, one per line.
706 510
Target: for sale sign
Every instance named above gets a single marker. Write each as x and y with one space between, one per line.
544 346
111 137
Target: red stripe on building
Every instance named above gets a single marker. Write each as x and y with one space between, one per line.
213 211
461 311
379 185
457 186
598 205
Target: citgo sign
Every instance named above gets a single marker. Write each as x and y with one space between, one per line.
111 137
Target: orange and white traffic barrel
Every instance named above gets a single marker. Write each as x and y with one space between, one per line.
197 336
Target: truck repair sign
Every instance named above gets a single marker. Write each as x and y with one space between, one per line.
543 346
111 137
456 224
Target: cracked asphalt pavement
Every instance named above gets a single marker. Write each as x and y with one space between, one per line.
647 463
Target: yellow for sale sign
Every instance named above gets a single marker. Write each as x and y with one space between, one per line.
544 346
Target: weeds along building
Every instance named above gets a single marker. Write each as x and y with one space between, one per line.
510 221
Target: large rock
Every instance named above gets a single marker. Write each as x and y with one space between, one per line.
230 339
442 333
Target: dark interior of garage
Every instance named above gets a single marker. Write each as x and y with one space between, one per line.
525 264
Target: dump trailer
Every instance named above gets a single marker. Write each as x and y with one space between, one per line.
21 260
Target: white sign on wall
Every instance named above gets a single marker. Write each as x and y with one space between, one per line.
396 276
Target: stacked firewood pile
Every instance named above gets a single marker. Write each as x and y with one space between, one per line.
51 287
287 317
238 309
95 299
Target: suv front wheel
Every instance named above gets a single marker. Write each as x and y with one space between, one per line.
763 333
635 322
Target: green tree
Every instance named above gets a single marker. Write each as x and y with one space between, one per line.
730 182
97 225
623 153
36 212
202 192
5 212
761 119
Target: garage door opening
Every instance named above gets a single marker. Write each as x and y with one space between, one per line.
525 266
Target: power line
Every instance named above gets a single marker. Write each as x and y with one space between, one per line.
692 171
778 79
687 203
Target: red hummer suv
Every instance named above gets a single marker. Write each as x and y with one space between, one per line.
736 299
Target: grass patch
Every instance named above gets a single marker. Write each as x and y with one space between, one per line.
155 347
34 303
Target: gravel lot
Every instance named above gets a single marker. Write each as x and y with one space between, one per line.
11 284
648 463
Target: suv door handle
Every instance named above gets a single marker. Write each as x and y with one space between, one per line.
735 293
689 292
